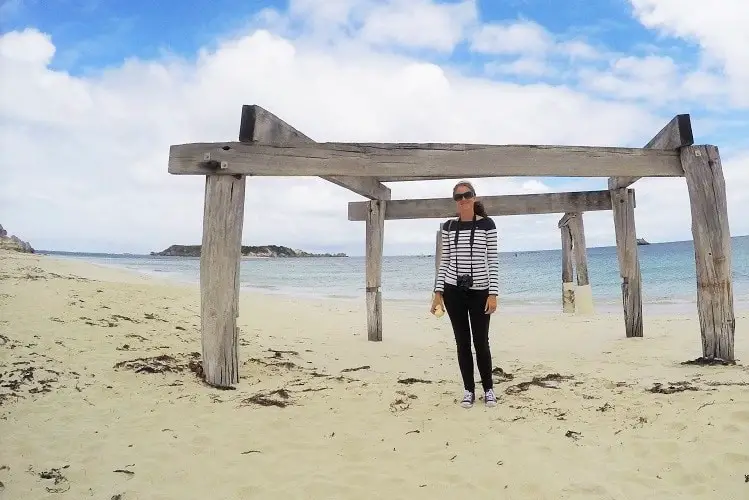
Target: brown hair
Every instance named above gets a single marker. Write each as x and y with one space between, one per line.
478 207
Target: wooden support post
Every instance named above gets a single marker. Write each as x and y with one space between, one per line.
623 206
583 292
568 287
220 254
375 228
712 250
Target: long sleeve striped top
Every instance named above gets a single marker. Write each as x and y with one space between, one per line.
456 260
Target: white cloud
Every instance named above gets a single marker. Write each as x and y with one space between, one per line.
719 29
84 162
523 37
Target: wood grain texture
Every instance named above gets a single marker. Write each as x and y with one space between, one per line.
515 204
579 250
260 126
674 135
223 216
375 231
629 261
419 161
712 248
568 290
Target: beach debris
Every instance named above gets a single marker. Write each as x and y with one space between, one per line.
162 364
746 478
415 431
358 368
180 328
672 387
125 471
277 353
411 380
502 376
573 434
61 484
248 452
605 407
15 381
4 340
702 361
549 381
268 399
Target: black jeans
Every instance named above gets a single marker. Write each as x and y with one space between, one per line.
466 311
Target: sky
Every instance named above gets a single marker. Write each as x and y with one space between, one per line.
94 92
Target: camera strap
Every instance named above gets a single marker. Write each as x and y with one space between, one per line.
457 234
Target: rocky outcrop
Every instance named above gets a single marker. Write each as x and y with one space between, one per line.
247 251
642 241
13 242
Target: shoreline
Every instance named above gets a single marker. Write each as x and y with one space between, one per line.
609 306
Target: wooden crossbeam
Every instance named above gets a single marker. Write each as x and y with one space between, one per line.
419 161
258 122
674 135
514 204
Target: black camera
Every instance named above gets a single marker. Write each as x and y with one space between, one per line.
464 281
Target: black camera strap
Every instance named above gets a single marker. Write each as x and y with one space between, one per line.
457 234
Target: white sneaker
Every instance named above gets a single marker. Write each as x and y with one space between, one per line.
468 399
490 399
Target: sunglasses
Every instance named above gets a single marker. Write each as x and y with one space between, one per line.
461 196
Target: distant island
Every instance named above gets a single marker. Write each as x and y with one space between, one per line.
271 251
642 241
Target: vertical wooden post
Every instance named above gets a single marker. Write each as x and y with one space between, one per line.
623 207
375 227
223 215
583 292
568 287
712 250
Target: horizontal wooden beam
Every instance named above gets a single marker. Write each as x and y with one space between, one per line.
258 123
512 204
433 161
676 134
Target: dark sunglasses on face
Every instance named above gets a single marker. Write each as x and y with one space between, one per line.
459 196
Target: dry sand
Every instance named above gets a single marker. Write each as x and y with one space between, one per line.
320 412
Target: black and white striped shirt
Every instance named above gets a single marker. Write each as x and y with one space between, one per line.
456 260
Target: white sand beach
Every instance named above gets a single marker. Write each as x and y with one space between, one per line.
320 412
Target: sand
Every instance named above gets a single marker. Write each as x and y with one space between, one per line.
320 412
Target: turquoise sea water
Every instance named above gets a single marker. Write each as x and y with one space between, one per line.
527 279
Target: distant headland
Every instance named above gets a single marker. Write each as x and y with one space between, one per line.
13 242
270 251
642 241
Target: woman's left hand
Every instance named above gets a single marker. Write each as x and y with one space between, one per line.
491 304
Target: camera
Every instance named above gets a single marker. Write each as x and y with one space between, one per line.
464 281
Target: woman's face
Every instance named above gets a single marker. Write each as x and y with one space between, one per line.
464 197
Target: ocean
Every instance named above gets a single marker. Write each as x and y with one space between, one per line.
530 279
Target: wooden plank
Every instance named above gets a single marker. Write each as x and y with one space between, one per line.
674 135
220 255
629 261
419 161
261 126
712 249
568 287
583 292
514 204
373 254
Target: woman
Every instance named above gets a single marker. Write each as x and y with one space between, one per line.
468 284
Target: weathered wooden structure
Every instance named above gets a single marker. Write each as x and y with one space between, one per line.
268 146
575 298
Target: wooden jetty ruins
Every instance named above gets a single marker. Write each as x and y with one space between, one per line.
268 146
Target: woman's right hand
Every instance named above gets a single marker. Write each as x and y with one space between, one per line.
437 301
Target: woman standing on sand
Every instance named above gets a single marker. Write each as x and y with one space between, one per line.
467 286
